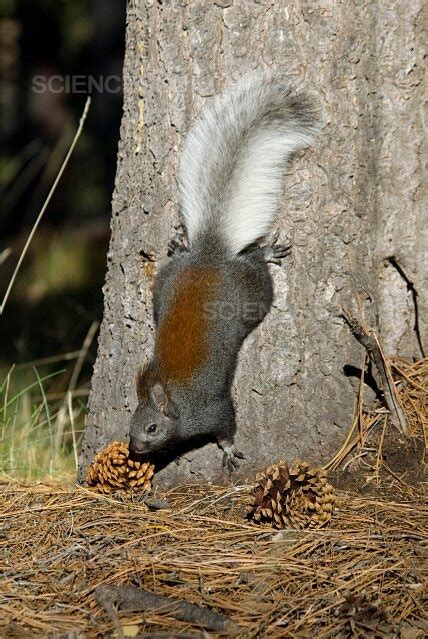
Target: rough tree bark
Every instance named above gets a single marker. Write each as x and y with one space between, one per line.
349 204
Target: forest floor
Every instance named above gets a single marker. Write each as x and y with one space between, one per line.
364 574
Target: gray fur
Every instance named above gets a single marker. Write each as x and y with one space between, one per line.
203 407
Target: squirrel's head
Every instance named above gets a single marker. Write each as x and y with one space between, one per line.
154 423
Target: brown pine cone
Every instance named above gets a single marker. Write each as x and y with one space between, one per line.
292 497
113 470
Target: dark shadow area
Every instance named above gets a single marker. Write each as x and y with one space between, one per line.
164 458
369 380
54 54
414 293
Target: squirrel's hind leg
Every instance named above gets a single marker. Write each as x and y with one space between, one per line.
178 244
272 252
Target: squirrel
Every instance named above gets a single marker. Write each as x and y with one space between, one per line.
217 288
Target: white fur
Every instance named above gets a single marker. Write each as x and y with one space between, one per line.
233 160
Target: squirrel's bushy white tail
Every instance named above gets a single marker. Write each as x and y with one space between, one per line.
233 159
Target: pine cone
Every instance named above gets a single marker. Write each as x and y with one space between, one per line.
113 470
295 497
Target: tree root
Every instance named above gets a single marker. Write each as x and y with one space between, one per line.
111 598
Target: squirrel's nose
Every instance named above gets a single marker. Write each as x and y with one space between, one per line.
136 447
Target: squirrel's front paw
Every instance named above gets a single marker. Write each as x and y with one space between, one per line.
231 458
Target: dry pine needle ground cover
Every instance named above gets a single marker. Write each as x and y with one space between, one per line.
363 575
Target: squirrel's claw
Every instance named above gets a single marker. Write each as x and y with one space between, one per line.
274 253
177 244
231 457
271 252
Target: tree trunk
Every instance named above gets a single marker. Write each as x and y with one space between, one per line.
349 204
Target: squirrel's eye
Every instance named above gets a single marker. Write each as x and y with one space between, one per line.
151 428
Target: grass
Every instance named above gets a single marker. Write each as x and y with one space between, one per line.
36 406
39 426
45 205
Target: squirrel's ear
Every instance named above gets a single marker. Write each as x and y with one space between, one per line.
142 382
162 402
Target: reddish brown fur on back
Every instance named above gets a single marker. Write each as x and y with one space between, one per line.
181 346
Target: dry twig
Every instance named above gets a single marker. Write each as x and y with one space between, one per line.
137 599
370 342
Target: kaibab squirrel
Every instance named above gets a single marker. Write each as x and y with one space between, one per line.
217 289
